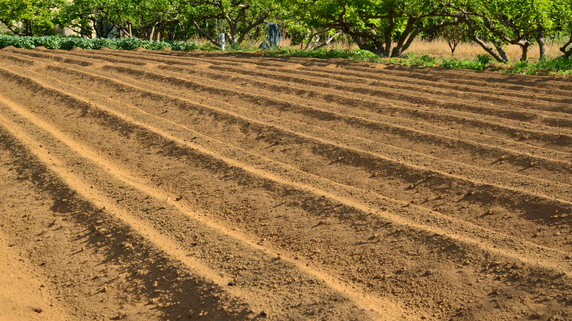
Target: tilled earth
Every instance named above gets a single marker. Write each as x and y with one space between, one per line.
164 186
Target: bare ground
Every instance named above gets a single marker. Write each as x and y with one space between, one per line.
163 186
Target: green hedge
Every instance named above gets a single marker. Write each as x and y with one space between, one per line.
58 42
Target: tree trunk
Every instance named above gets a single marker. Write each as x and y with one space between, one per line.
567 52
29 28
312 36
403 42
499 54
377 50
326 42
524 48
206 35
540 40
151 34
452 45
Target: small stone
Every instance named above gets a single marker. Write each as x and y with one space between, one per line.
38 310
121 315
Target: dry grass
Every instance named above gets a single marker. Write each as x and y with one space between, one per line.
437 48
440 49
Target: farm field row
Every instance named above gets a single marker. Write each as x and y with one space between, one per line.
165 185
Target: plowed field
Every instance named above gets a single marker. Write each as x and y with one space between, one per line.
163 186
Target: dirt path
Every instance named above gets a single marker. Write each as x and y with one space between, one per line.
240 187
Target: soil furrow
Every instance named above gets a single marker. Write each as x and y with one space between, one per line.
499 102
553 138
557 140
264 204
492 80
381 76
423 179
376 130
407 93
431 192
215 249
110 230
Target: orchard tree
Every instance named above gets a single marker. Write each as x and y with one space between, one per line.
384 27
30 17
87 17
144 19
562 14
454 35
494 24
238 17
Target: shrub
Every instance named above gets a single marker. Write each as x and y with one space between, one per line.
49 42
484 59
18 42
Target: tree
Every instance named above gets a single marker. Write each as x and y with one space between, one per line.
144 19
454 35
502 22
384 27
30 17
86 17
561 16
240 17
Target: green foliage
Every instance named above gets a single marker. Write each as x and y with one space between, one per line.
55 42
364 55
355 55
484 59
516 22
30 17
18 42
298 33
384 27
72 42
561 66
454 63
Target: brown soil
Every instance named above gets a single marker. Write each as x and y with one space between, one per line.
166 185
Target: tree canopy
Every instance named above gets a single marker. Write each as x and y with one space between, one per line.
384 27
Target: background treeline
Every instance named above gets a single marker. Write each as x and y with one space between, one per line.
386 28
